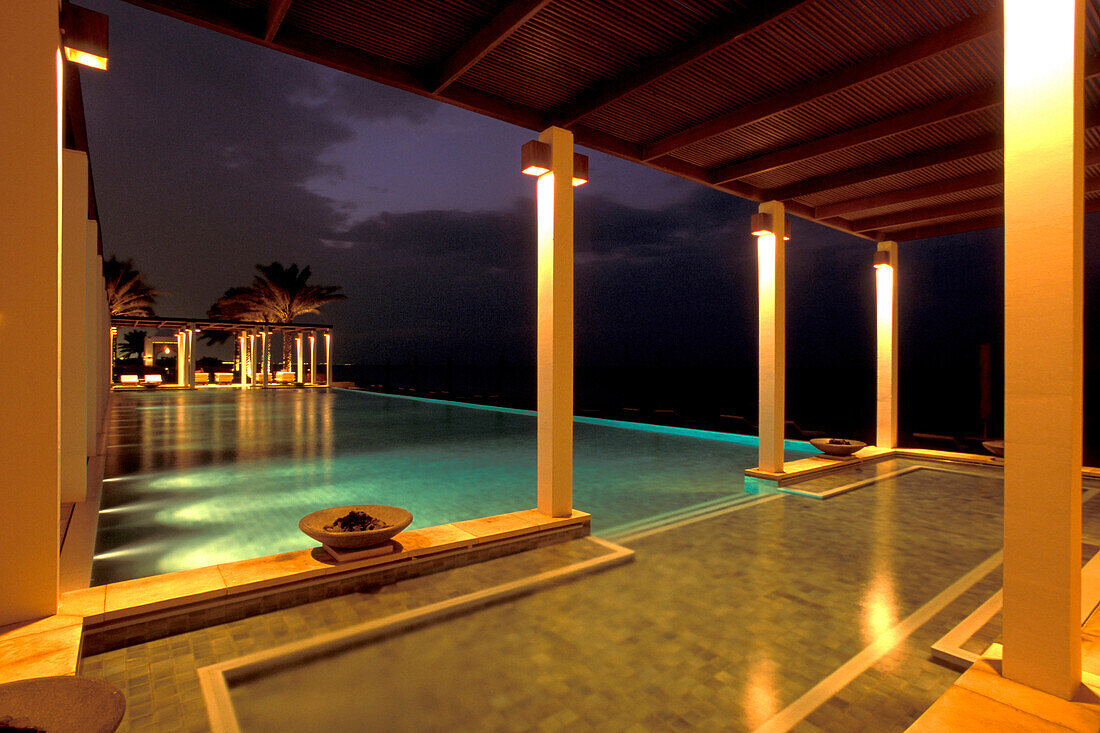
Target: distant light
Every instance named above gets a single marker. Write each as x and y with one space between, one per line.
167 350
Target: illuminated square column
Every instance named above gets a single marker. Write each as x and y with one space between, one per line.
555 324
1044 288
770 229
313 358
886 330
30 152
298 345
328 360
189 343
73 372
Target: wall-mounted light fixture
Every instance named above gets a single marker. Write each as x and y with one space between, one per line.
762 224
84 36
882 259
537 160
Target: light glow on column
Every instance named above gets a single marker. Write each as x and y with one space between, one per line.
885 431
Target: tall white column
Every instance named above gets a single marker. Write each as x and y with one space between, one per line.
181 373
886 329
328 360
298 345
1044 293
243 363
73 372
190 343
772 354
555 327
30 86
313 358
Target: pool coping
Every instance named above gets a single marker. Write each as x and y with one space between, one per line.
215 679
53 645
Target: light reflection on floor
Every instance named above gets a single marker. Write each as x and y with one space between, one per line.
202 477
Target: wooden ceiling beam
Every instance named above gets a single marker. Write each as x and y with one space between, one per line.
894 166
992 221
959 34
503 25
946 110
911 195
657 68
273 18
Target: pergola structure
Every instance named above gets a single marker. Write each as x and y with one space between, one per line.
253 344
892 120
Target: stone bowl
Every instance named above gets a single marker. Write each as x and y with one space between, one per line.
996 447
835 449
314 525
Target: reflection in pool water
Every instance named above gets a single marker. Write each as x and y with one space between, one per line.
201 477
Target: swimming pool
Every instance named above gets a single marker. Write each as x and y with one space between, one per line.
196 478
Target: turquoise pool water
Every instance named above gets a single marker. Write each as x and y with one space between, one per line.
203 477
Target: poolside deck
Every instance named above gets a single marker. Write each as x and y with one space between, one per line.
750 617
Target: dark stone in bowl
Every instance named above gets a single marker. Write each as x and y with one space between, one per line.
62 705
837 449
314 525
996 447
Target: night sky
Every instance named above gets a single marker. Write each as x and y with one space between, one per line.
211 155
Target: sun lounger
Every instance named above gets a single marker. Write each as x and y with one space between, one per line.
152 380
202 378
128 379
286 377
223 377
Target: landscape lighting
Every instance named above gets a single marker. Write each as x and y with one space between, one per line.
84 36
536 160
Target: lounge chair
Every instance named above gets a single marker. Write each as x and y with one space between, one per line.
152 380
286 377
128 379
223 377
796 432
202 378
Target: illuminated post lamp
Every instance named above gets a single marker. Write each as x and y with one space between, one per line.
84 36
313 357
298 345
112 347
241 361
559 170
770 226
328 359
886 328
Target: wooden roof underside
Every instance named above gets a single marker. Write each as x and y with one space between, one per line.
881 118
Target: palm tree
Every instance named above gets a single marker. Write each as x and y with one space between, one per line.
133 344
233 305
127 293
278 295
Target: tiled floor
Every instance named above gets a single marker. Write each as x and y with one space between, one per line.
718 624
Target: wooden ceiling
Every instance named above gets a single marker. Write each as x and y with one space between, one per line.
881 118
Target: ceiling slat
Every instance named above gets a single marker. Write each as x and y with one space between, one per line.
961 33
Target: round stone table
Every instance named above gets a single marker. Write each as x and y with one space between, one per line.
61 705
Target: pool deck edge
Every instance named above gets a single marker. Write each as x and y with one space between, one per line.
53 645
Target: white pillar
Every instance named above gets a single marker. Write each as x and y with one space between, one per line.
74 362
555 327
1044 292
243 363
313 358
772 355
328 360
190 344
29 360
886 329
265 362
181 364
298 346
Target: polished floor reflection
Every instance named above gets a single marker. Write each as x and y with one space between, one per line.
723 623
195 478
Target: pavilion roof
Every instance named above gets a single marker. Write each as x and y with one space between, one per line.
877 117
213 325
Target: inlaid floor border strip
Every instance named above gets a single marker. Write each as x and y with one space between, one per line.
697 518
214 679
631 529
949 647
837 490
840 678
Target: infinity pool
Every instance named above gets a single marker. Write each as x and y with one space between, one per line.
203 477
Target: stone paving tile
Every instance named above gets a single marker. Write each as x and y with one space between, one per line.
715 626
159 678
